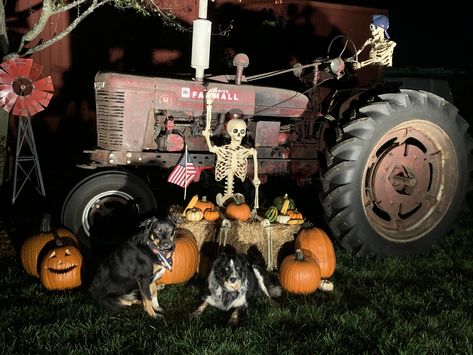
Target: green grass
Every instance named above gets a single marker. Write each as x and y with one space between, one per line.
416 305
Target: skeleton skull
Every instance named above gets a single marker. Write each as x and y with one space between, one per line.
236 128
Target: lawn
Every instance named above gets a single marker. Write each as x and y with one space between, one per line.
415 305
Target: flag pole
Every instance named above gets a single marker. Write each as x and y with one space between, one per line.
185 184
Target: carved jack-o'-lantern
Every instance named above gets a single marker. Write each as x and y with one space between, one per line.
61 268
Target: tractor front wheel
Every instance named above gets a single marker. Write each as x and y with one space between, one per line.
105 208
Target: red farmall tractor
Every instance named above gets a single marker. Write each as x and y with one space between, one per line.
394 164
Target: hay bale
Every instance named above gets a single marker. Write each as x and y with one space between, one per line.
242 236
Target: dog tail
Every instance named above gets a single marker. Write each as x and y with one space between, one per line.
104 300
267 282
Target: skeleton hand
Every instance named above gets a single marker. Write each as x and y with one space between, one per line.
356 65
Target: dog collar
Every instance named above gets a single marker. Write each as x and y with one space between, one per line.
165 259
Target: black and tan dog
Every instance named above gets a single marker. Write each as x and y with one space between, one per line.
128 276
233 282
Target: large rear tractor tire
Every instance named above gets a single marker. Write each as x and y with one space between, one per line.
104 209
398 177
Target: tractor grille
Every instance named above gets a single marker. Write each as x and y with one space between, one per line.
110 114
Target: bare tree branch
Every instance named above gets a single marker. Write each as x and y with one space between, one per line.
95 5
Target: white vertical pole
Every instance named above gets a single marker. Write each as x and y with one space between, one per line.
201 32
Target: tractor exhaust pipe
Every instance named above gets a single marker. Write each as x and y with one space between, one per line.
201 32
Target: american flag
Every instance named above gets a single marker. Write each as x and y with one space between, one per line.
184 172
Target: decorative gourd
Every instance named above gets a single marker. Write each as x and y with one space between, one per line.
61 267
203 204
318 243
194 214
299 273
185 260
191 204
282 219
294 214
33 246
271 214
211 214
240 211
279 201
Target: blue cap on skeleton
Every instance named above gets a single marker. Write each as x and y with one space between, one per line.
381 21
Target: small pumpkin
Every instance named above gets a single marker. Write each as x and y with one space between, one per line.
239 211
33 246
191 204
61 267
294 214
185 260
299 273
194 214
318 243
211 214
203 204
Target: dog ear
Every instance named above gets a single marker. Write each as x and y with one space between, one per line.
149 224
175 219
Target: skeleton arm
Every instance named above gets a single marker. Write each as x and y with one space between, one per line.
256 180
381 53
206 133
210 97
367 42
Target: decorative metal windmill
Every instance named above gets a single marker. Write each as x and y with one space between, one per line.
24 93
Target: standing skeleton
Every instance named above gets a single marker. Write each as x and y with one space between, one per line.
382 48
231 158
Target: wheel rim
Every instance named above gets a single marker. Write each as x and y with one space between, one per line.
409 180
107 215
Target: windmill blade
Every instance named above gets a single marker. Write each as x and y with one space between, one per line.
45 84
11 68
20 109
10 100
33 106
24 66
5 78
41 96
36 70
5 89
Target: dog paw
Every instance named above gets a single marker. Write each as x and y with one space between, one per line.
197 313
158 309
157 316
232 322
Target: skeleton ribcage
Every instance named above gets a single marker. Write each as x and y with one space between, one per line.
231 161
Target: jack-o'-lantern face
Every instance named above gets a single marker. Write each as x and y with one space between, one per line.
61 268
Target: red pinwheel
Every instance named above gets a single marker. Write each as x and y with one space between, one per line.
22 91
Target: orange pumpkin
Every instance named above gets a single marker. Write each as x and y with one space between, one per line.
294 214
33 246
61 267
203 204
239 211
211 214
185 259
299 273
318 243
